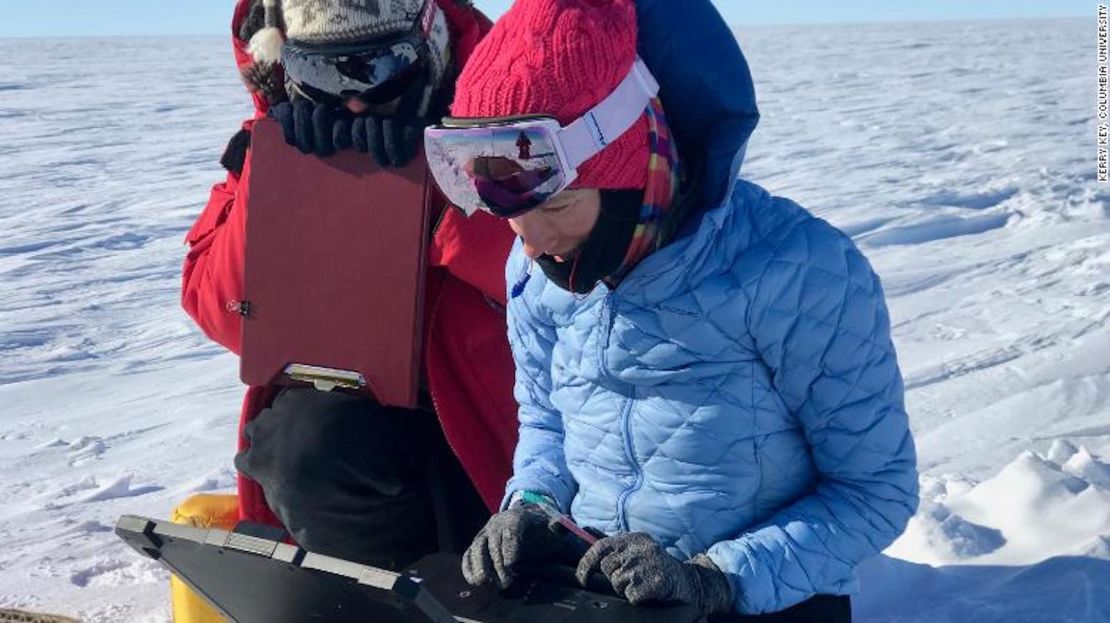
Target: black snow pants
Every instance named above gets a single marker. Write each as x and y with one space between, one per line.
353 479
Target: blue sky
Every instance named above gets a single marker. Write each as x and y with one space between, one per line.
36 18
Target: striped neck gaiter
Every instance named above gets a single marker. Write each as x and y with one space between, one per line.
659 194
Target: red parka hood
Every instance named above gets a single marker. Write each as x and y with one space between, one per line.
466 24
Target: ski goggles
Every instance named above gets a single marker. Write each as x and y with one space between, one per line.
334 74
375 71
510 165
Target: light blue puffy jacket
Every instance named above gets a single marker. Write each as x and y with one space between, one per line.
738 392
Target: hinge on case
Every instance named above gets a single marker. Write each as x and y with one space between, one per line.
243 308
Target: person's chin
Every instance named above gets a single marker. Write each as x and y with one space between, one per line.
562 258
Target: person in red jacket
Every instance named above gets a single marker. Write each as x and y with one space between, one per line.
344 475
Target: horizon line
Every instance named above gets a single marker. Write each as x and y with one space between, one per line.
937 20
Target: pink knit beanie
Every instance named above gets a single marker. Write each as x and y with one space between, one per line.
560 58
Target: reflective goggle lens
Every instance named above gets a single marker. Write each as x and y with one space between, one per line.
506 170
336 74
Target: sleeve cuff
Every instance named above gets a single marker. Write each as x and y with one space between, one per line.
513 496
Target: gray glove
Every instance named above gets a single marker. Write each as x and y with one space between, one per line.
641 570
523 533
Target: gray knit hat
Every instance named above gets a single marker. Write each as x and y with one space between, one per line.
346 21
334 21
323 22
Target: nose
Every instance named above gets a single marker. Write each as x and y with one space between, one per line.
355 105
538 236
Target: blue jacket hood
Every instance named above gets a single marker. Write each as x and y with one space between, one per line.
705 86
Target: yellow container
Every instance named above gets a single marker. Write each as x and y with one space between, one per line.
203 510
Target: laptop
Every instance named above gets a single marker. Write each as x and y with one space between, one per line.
251 576
334 273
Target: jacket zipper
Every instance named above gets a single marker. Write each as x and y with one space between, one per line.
439 220
626 434
431 394
435 406
626 418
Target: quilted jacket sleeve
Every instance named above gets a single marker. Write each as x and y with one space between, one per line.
539 463
820 323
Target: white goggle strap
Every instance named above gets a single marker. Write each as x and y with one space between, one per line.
612 117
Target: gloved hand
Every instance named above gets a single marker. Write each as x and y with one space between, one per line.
390 140
523 533
346 476
313 128
641 570
322 129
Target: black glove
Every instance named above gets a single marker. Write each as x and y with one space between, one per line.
522 534
313 128
235 154
345 475
323 130
641 570
392 139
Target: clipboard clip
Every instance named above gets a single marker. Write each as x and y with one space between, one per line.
325 379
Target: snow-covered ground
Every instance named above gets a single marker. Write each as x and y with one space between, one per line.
960 156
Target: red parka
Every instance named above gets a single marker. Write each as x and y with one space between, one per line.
467 362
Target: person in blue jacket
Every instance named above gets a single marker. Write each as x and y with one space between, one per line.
705 371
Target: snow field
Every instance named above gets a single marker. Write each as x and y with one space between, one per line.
958 155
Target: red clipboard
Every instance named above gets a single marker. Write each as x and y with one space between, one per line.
334 277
